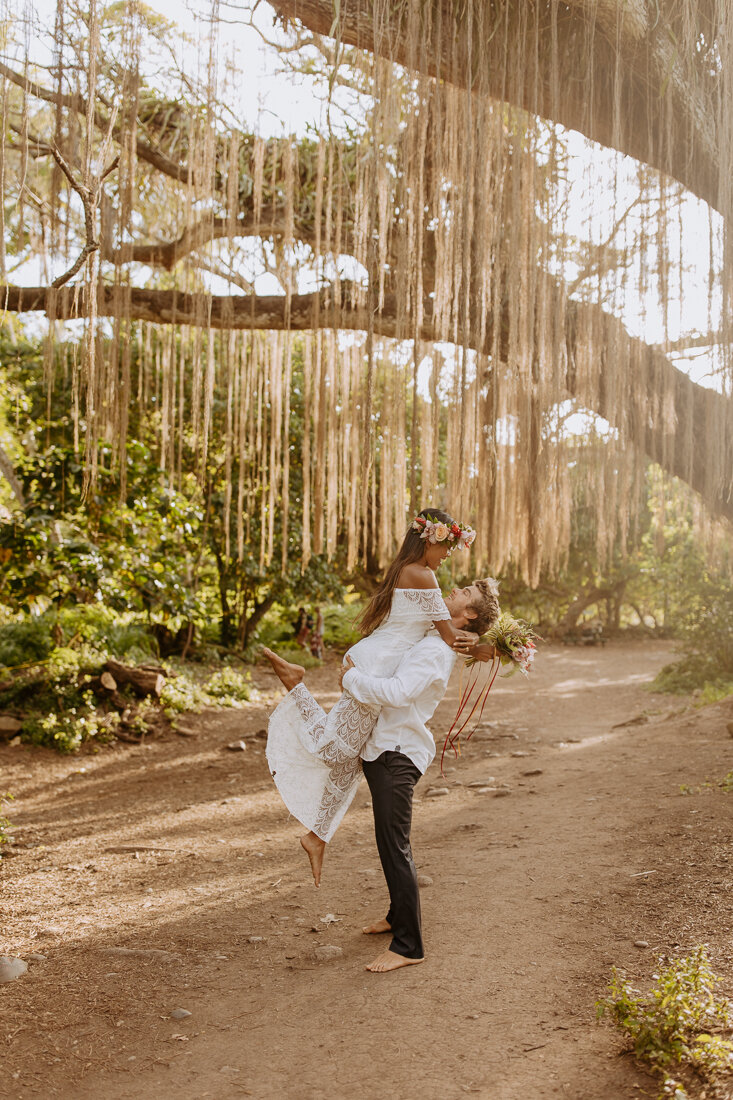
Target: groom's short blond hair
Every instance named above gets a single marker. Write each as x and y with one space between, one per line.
486 605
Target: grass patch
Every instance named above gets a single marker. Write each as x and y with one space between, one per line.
680 1029
698 676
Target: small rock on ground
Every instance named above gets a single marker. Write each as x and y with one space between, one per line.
640 943
482 782
180 1014
255 939
328 951
533 771
36 957
436 792
11 968
237 746
424 880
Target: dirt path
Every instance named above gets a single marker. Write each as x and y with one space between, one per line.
534 897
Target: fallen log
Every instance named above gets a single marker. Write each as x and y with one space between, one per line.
142 681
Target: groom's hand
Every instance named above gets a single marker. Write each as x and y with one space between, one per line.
464 640
348 663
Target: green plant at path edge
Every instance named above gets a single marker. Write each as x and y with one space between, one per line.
677 1026
5 823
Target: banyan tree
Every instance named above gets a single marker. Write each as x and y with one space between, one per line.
465 262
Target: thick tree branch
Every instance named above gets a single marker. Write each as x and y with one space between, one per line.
676 443
174 169
167 254
659 118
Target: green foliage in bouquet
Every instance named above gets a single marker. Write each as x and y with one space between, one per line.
678 1024
514 640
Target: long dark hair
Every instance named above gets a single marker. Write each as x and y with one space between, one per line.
412 549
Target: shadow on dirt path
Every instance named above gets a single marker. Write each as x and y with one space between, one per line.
535 894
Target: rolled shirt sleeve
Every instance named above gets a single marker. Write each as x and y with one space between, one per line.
409 682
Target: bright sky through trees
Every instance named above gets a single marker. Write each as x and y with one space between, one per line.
259 95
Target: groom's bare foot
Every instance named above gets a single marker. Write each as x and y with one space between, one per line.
289 675
314 848
390 960
376 928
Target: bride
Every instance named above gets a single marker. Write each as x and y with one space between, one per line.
314 756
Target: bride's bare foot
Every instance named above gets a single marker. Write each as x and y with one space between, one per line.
376 928
289 675
390 960
314 849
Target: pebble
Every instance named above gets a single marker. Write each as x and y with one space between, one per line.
237 746
485 790
36 957
328 951
502 792
482 782
640 943
521 752
436 792
180 1014
534 771
11 968
424 880
255 939
8 724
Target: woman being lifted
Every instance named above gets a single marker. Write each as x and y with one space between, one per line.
314 756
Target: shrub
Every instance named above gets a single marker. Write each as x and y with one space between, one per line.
226 688
5 823
35 638
676 1024
67 730
338 622
695 674
298 656
229 687
25 642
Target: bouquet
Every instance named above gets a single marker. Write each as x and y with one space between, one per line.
515 644
514 641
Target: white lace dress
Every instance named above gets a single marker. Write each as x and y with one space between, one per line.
313 756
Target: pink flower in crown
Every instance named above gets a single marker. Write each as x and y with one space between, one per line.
440 532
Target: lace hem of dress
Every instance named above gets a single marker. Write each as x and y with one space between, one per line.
337 738
428 600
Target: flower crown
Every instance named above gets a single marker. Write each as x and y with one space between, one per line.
435 530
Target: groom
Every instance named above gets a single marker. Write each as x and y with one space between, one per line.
398 752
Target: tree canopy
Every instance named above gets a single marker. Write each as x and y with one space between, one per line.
428 243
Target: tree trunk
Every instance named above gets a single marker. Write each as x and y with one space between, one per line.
249 623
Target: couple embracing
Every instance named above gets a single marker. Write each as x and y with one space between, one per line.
392 681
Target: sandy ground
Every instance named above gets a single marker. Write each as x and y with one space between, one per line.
170 876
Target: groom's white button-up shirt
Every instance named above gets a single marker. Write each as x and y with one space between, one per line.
408 700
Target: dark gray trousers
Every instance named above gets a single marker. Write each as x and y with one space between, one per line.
392 778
